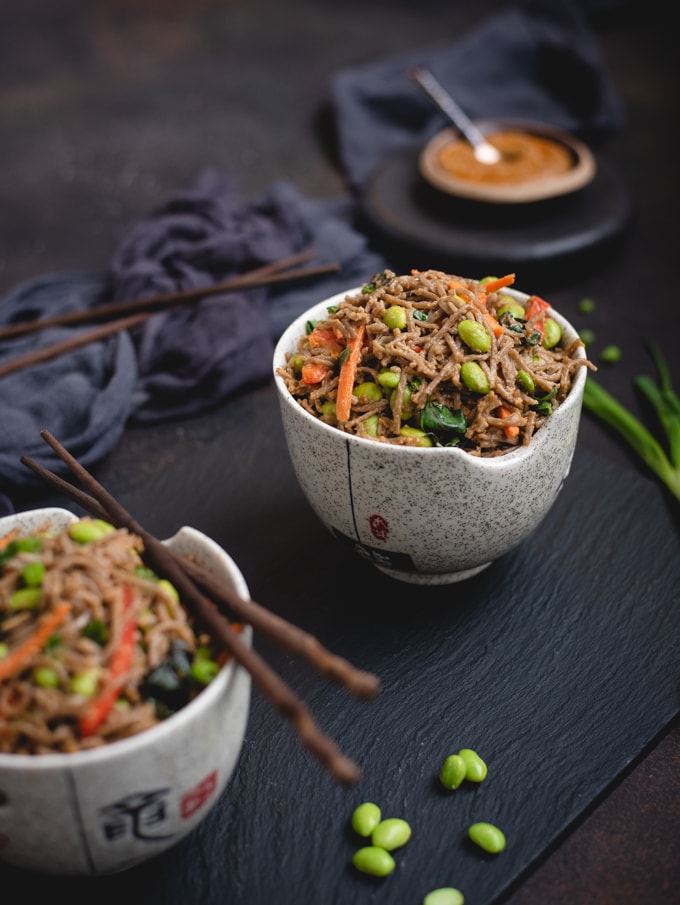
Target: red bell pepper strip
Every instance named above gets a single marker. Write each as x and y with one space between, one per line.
121 660
535 311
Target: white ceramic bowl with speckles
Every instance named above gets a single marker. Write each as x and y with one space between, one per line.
105 810
426 516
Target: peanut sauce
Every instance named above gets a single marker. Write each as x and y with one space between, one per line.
525 158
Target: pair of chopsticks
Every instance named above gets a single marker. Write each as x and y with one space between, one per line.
125 315
205 595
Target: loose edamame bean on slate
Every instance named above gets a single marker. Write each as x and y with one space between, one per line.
610 355
473 376
452 772
445 895
391 833
488 837
371 859
365 818
475 768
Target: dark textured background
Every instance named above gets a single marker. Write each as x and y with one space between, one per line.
560 662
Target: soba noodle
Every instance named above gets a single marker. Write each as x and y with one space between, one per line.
86 630
410 384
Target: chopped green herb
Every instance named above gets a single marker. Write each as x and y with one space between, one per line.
419 315
445 425
96 631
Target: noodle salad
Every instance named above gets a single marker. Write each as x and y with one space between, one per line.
434 359
94 646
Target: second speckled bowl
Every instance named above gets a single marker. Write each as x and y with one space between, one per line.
426 516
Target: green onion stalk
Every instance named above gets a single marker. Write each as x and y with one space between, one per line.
666 404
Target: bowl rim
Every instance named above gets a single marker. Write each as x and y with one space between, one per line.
157 733
581 174
293 331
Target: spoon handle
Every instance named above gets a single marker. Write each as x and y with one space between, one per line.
437 93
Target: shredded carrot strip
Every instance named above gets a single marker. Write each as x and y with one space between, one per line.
8 538
500 283
16 659
343 401
510 430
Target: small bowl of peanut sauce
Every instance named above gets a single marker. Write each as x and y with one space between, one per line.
537 162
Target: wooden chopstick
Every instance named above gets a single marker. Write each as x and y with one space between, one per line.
145 308
362 684
189 584
274 272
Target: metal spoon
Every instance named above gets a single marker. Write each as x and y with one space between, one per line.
483 151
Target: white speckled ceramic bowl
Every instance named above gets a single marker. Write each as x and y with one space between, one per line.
105 810
426 516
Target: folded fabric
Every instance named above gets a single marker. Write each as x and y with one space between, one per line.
83 398
184 361
536 61
191 358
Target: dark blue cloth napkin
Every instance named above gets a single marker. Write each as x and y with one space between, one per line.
539 60
181 362
82 398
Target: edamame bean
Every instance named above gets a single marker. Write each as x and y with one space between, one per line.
453 771
610 355
204 670
395 317
587 336
510 306
586 306
32 574
296 363
552 334
475 768
526 381
446 895
389 379
365 818
373 860
86 683
328 408
169 589
87 530
46 677
24 599
368 392
474 378
421 437
391 833
474 335
406 409
371 425
488 837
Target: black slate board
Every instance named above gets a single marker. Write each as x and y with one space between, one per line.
436 229
558 664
